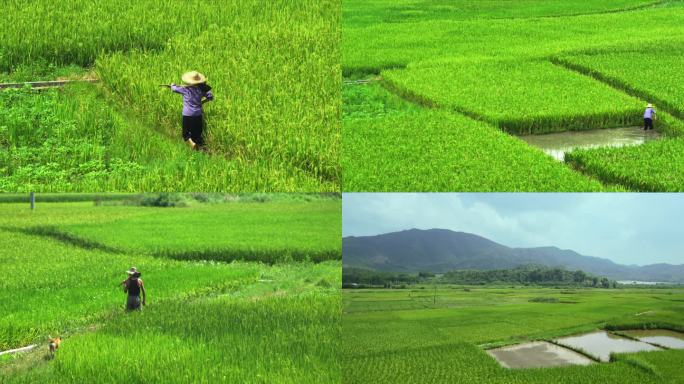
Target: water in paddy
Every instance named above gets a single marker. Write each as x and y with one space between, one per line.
558 144
661 337
537 354
601 344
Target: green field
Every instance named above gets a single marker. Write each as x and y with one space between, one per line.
274 124
262 317
469 70
420 335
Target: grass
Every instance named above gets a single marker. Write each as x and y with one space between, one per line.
396 336
273 126
240 321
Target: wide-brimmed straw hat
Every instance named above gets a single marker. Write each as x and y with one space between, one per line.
132 271
649 105
193 78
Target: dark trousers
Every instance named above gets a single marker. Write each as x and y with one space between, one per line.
192 129
133 303
648 123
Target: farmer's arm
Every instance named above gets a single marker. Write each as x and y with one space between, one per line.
178 89
142 288
208 97
125 286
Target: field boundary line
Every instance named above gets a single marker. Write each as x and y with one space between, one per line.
45 84
617 85
18 350
64 238
632 8
576 350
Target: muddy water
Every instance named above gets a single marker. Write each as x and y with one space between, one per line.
601 344
661 337
537 354
558 144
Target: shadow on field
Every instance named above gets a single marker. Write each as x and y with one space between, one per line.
267 256
53 233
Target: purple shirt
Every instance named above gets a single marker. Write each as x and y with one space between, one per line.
649 113
192 99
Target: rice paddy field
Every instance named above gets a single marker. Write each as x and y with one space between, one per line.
437 94
273 126
207 319
421 335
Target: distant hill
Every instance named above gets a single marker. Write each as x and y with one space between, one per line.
442 250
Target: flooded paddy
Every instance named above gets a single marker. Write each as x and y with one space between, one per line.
537 354
558 144
601 344
661 337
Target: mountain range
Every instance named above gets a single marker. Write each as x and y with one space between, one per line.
442 250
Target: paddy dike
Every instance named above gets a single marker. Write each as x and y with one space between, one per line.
537 354
660 337
560 143
594 347
601 344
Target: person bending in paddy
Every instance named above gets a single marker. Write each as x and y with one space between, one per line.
649 116
195 93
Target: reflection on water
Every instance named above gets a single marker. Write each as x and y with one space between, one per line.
661 337
558 144
537 354
601 344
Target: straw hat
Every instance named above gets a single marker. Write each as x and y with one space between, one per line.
193 78
132 271
649 105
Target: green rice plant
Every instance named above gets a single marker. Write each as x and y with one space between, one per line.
85 144
77 32
390 145
437 34
274 125
522 97
656 166
268 232
388 344
247 322
654 72
359 13
289 119
290 339
52 288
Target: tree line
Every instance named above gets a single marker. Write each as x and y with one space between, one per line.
525 275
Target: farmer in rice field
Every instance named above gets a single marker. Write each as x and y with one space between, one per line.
649 116
133 286
195 93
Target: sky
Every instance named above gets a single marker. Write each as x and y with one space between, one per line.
628 228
